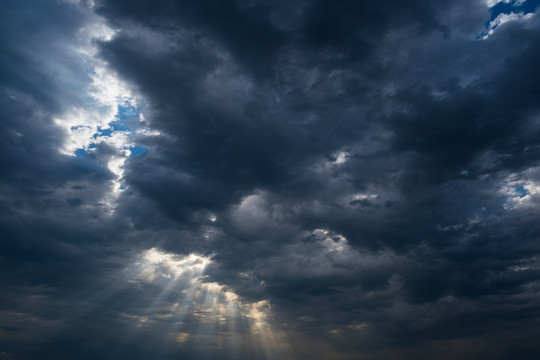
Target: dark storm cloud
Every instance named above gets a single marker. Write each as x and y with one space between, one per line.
410 96
51 217
38 183
370 169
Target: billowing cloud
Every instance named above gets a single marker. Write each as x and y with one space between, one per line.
255 180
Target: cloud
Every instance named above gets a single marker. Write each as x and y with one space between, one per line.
309 180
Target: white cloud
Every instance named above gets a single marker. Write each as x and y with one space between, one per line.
506 18
520 189
491 3
101 104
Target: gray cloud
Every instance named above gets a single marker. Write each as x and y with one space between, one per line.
351 180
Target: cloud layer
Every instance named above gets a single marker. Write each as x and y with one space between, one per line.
246 179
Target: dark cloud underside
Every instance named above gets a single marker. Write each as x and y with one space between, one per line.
352 179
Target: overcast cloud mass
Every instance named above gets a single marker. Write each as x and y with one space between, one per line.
248 179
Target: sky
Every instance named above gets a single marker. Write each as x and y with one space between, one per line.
248 179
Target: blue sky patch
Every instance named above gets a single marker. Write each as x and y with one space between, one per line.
137 150
514 6
127 111
80 153
521 191
113 127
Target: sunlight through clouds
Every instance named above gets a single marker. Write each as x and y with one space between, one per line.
204 315
107 113
256 180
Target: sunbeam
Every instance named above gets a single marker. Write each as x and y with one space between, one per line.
194 314
266 180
